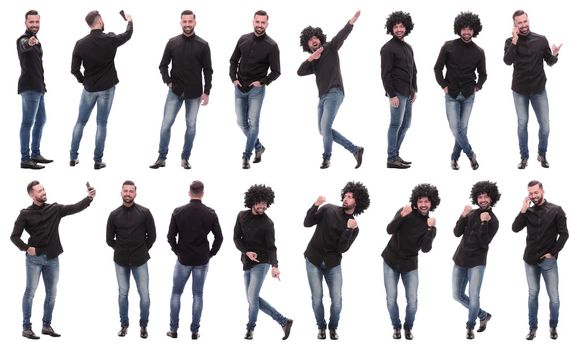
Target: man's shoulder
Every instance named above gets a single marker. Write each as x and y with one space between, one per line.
200 40
269 40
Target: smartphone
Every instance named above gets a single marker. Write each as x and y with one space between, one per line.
87 185
122 13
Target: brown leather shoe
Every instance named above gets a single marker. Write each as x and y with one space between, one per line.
47 330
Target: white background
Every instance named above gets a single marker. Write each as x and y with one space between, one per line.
86 310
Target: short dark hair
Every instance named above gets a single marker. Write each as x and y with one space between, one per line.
196 187
91 17
30 13
309 32
534 183
518 13
425 190
187 13
399 17
360 194
30 185
258 193
130 183
490 188
261 13
467 20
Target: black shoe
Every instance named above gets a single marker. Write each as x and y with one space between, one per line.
403 161
47 330
172 334
99 165
73 162
469 333
553 333
321 333
195 335
396 334
333 334
287 329
123 331
159 163
28 333
397 164
473 162
41 159
30 164
245 164
523 163
483 323
185 164
249 334
358 155
454 164
144 333
325 164
258 153
543 160
532 333
408 334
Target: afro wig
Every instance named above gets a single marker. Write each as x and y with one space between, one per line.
308 33
399 17
259 193
360 194
467 19
425 190
490 188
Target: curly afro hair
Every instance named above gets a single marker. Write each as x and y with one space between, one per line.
360 194
487 187
467 19
399 17
259 193
308 33
425 190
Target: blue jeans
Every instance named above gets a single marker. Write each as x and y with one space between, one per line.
104 101
474 277
327 110
180 277
410 281
141 276
547 268
333 278
173 104
458 113
400 119
540 104
253 279
49 269
33 118
248 108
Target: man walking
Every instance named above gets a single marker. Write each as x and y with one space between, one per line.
526 51
336 230
188 230
547 233
31 88
461 58
324 62
254 54
189 55
131 233
477 227
41 222
96 52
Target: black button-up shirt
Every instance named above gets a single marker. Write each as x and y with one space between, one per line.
252 57
31 69
398 68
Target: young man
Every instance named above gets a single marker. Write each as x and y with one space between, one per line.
462 57
477 227
254 54
336 230
41 222
131 233
254 236
324 62
412 230
189 55
547 233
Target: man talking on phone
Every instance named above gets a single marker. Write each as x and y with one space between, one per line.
546 235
